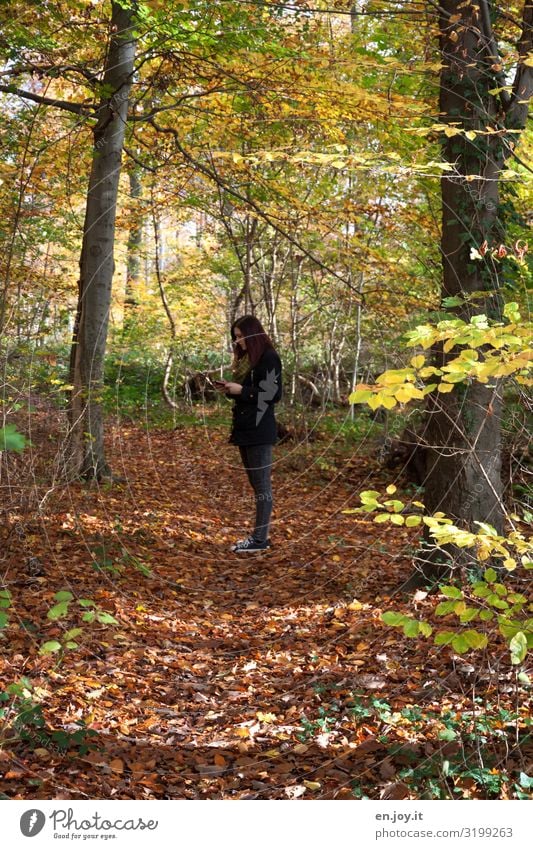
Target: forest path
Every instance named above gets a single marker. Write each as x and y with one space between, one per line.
214 681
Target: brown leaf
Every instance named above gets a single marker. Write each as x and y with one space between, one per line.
398 790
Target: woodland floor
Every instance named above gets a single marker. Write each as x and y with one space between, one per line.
259 677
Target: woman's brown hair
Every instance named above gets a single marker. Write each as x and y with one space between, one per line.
257 339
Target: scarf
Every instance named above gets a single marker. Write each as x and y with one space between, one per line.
241 368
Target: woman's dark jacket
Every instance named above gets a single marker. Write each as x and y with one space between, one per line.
254 422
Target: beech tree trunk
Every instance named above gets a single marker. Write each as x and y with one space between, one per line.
463 435
86 444
133 260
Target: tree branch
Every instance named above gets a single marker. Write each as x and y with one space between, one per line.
517 109
494 53
77 108
212 175
139 162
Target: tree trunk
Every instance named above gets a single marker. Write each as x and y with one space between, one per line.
86 448
463 434
133 261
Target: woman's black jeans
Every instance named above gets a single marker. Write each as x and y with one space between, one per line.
257 460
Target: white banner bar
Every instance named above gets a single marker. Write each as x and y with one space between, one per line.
252 825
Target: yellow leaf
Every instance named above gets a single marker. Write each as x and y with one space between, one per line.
374 402
265 717
312 785
407 392
510 563
389 378
412 521
242 732
388 401
418 362
445 387
390 489
396 519
355 605
470 134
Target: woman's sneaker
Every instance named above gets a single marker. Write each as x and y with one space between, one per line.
249 545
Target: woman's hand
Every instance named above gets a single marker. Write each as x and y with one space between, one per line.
233 388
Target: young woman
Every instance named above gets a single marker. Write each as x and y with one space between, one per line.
255 388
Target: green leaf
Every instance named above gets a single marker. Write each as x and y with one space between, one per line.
50 647
86 602
444 638
444 607
509 627
63 595
468 614
512 312
452 301
5 603
11 439
489 575
106 618
425 629
460 644
369 495
497 602
518 648
58 610
486 615
516 598
447 734
396 505
475 639
451 592
411 627
4 619
391 617
89 616
73 632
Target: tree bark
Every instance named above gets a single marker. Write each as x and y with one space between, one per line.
463 434
133 261
86 444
